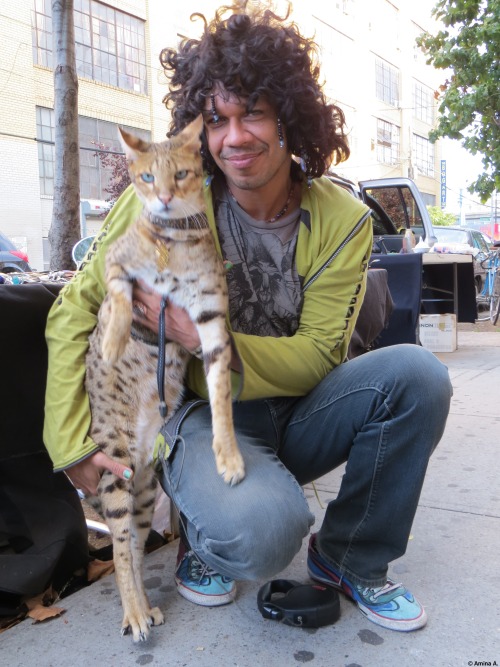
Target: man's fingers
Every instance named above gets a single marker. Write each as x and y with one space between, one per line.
113 466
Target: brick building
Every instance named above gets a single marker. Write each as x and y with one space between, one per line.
370 65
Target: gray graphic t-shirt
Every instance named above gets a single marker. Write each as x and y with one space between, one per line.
265 296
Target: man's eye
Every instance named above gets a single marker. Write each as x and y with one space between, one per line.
147 177
214 122
181 174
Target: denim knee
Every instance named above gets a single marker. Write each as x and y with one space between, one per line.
425 376
256 543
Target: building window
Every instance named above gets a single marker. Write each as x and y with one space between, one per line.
423 155
94 134
386 82
45 135
387 142
423 103
110 46
429 200
41 34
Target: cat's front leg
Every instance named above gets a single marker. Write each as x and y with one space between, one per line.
216 348
119 320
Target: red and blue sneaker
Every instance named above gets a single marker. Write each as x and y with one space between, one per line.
392 606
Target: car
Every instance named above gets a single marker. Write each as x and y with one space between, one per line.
11 259
466 239
488 240
397 206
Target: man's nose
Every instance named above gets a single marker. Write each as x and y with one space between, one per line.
237 134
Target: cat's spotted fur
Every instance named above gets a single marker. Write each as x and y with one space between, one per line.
171 248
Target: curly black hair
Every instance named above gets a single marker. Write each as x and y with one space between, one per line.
250 51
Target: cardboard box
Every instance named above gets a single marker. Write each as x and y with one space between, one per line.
438 333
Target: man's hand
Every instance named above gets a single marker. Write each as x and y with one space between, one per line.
178 324
86 475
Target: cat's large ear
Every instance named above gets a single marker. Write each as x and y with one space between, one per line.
191 134
132 145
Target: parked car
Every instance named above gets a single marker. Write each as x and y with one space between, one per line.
11 259
463 238
488 240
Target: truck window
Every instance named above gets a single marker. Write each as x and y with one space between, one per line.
399 206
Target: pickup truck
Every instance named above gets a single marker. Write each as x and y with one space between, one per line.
417 284
397 205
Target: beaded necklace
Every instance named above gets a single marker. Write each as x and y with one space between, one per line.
278 215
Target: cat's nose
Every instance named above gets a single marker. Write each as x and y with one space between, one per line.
165 199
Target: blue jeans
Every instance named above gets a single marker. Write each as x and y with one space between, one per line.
383 413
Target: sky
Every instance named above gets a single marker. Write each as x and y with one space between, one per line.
461 169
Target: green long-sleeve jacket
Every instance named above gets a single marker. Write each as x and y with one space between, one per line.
333 248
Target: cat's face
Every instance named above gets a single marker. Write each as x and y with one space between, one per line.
168 176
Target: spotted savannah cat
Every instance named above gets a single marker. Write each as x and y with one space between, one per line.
171 248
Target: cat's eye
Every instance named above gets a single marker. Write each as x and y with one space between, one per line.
181 175
147 178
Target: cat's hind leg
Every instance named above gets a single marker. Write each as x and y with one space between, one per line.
117 502
144 501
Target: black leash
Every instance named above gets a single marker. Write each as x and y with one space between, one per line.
160 370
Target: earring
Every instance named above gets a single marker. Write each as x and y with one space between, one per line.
280 134
215 115
304 165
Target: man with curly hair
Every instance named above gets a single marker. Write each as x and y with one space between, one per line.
298 247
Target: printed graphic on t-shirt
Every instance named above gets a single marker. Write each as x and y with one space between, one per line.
265 297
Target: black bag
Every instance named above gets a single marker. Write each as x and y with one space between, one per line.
43 535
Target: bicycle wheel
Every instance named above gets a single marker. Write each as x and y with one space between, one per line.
495 300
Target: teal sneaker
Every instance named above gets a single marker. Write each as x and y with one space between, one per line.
392 606
200 584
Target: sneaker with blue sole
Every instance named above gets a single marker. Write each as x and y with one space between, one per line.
391 606
199 583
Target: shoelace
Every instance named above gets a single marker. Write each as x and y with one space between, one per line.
375 593
198 569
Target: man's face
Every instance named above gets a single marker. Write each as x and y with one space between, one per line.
244 142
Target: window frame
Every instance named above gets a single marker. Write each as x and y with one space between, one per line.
90 164
387 82
423 103
110 45
424 156
392 146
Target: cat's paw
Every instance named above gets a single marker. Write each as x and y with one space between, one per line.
112 348
139 624
156 617
230 466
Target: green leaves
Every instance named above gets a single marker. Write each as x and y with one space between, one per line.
469 47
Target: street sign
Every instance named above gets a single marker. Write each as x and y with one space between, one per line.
443 183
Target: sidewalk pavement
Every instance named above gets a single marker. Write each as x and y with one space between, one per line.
452 565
